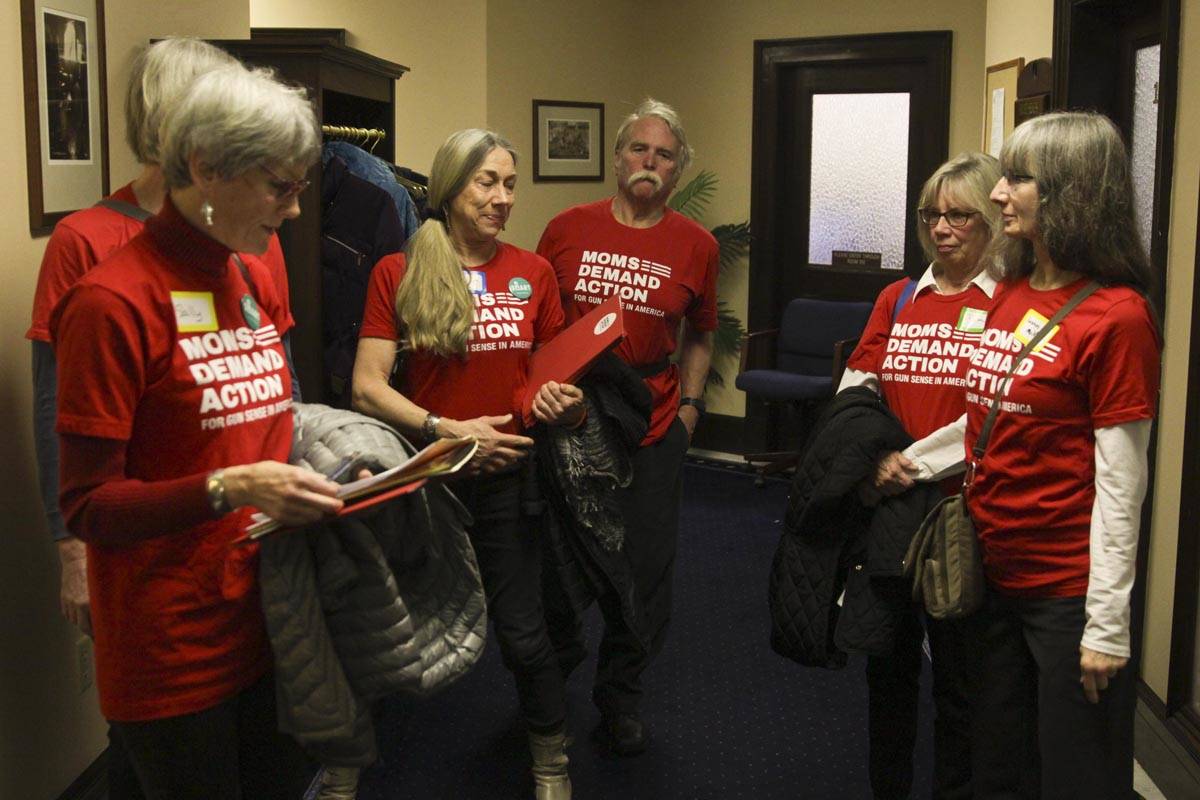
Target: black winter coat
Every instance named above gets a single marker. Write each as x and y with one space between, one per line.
580 472
833 542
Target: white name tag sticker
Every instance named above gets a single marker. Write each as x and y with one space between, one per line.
1029 326
604 323
194 311
970 320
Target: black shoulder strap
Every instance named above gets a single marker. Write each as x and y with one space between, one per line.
128 209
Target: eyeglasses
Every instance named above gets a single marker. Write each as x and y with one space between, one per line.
954 217
1011 177
284 189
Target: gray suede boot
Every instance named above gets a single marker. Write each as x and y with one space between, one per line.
550 778
338 783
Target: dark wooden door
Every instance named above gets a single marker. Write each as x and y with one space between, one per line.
788 73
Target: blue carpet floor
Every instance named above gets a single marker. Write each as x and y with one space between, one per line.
728 719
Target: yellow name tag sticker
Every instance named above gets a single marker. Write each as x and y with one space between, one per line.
194 311
1029 326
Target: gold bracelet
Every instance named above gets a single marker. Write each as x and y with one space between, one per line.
214 485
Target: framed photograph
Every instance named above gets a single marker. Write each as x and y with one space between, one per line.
1000 93
568 140
66 120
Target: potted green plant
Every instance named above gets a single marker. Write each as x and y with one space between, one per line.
692 200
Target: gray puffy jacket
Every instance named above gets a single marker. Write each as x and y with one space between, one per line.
364 606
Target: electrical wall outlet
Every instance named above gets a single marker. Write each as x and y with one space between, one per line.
83 663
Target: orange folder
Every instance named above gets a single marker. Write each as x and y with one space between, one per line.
567 356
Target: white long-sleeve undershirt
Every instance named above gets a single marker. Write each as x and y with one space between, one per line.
1121 478
938 455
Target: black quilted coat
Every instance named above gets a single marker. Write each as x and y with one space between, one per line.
832 542
580 472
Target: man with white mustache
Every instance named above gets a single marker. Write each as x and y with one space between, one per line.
664 267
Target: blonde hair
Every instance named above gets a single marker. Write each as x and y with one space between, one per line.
970 178
434 306
1085 214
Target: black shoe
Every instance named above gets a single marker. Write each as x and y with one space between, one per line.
622 734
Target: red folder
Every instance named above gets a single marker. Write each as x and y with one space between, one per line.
439 459
567 356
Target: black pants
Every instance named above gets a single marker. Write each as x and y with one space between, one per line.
231 751
509 554
123 781
650 511
893 689
1034 734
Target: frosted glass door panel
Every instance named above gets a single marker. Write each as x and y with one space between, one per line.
1145 137
859 176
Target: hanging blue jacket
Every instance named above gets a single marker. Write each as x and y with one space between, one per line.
375 170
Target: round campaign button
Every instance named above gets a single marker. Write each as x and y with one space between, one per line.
605 323
520 288
250 312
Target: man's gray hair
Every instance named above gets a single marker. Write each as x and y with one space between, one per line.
237 119
161 73
655 108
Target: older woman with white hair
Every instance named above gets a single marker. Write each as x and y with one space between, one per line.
1056 496
175 422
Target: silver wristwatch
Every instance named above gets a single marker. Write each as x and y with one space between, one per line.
429 426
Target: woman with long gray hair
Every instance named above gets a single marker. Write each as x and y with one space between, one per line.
1057 494
175 421
465 311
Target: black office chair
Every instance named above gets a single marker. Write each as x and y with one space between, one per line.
799 364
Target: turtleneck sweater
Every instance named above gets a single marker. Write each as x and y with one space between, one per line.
99 502
170 366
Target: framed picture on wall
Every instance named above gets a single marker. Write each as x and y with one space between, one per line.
66 119
568 141
999 96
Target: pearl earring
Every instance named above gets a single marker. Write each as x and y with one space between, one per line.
206 209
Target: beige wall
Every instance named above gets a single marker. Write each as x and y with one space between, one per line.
49 731
1019 29
580 56
443 43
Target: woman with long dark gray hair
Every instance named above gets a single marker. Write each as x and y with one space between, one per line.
1057 494
465 310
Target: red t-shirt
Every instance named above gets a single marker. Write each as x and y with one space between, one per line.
516 310
163 346
921 358
85 238
663 274
1032 495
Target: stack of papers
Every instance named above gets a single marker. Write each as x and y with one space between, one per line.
439 459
